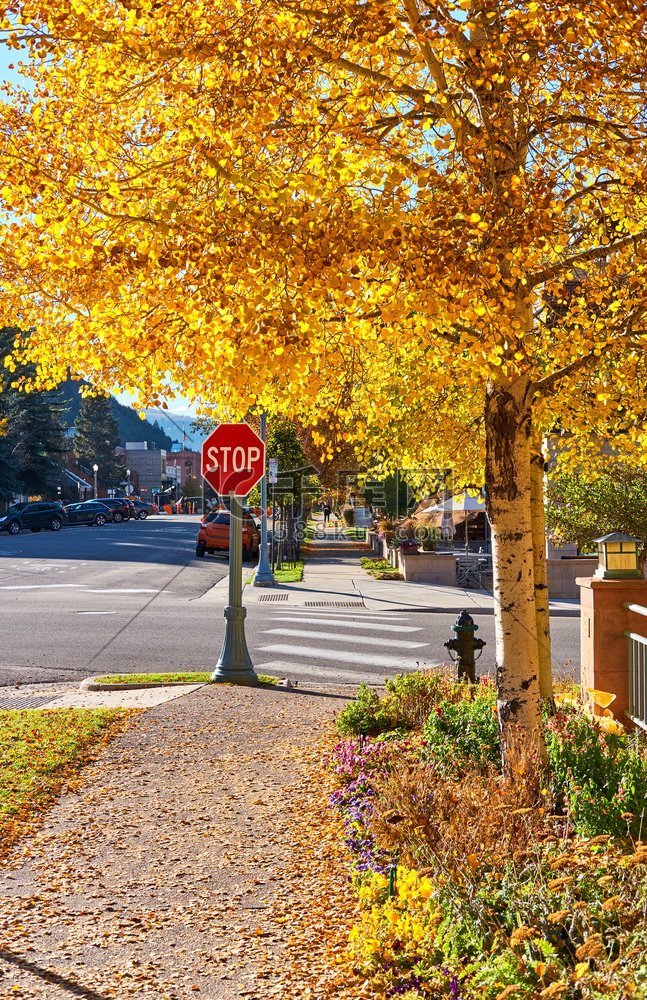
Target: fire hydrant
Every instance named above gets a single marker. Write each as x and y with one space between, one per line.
465 644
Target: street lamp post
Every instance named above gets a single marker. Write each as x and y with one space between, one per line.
95 469
264 577
128 487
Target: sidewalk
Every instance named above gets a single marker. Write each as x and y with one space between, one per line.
333 576
166 875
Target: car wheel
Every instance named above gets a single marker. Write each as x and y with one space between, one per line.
117 517
100 519
56 524
200 550
34 529
143 514
13 528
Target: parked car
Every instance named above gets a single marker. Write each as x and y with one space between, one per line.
36 516
122 509
143 509
90 512
213 534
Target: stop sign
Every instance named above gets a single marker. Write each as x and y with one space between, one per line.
233 459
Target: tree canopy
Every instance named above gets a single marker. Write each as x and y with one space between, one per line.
425 219
580 510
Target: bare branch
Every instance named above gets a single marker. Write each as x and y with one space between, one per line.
595 253
545 385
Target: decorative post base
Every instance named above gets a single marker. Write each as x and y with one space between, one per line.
235 665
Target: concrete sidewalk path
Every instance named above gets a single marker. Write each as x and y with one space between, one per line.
158 878
69 694
333 576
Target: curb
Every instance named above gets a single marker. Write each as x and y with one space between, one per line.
91 684
557 613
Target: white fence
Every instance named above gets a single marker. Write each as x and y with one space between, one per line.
637 671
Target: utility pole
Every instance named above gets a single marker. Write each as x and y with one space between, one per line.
264 577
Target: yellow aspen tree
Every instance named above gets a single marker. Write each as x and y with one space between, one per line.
373 210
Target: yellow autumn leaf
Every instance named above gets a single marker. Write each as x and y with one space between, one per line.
601 698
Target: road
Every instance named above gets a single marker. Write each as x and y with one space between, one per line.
133 597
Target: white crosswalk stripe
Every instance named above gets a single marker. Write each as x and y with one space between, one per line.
349 623
364 640
319 643
341 656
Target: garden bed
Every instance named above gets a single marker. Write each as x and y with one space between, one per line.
380 569
469 886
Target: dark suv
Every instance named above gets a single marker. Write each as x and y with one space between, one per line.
36 515
122 509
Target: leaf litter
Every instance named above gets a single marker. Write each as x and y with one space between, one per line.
200 857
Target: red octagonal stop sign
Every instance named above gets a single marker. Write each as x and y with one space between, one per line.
233 459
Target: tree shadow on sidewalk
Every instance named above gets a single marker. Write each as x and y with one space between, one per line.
73 988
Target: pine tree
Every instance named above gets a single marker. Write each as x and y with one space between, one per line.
37 440
32 437
95 439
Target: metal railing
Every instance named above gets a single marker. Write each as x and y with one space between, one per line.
637 652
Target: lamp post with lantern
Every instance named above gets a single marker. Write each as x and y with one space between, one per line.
95 469
618 557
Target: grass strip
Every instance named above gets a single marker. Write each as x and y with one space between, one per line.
188 677
289 574
380 569
293 573
41 752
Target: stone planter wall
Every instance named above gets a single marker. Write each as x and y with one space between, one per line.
429 567
564 573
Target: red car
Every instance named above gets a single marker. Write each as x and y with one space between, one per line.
213 534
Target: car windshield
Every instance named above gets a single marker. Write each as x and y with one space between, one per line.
15 508
218 517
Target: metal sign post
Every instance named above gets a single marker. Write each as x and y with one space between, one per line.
264 577
233 461
234 664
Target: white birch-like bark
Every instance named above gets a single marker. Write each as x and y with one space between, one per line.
508 450
541 571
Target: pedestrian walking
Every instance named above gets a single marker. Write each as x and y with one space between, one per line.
326 512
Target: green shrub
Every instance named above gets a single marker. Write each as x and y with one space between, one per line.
367 563
600 777
465 734
380 569
407 703
411 697
364 716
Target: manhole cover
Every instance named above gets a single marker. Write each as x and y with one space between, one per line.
274 597
333 604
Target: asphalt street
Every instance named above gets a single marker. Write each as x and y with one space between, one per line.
134 597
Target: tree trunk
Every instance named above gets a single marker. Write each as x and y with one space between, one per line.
508 446
540 570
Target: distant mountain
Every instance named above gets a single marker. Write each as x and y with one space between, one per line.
179 426
131 427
